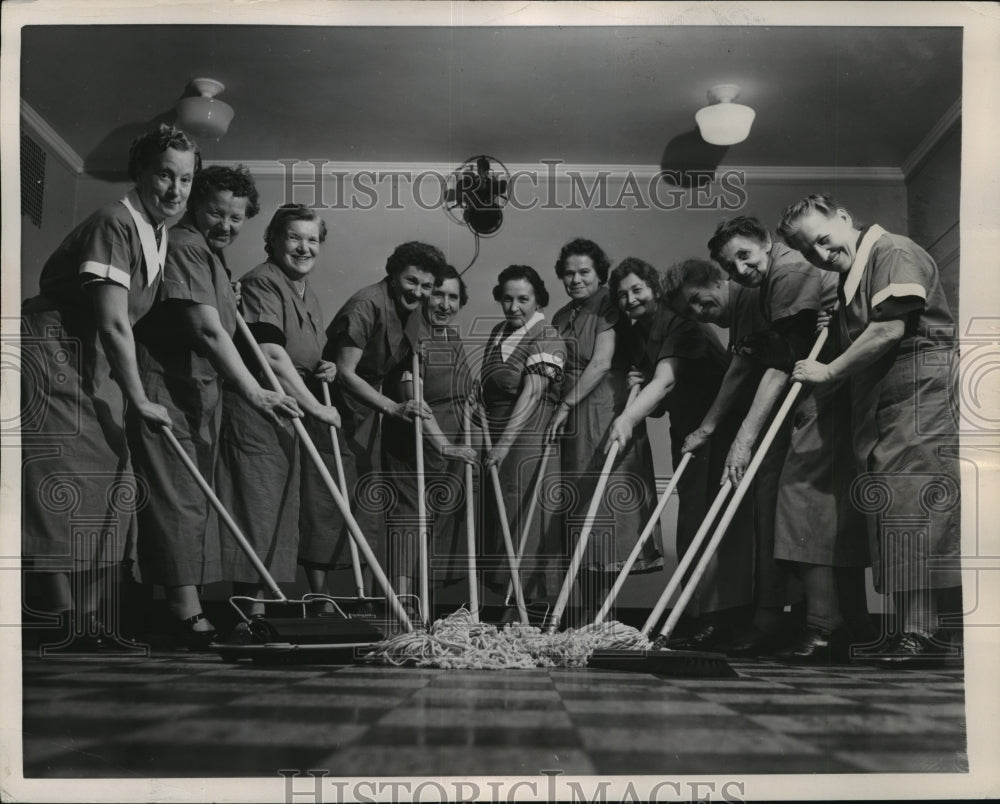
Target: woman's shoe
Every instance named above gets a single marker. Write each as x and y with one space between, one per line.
190 638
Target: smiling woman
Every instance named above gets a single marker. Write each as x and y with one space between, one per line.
366 340
259 472
101 280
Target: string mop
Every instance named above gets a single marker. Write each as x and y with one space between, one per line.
459 642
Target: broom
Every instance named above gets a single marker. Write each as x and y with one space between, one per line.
741 490
271 629
665 660
353 529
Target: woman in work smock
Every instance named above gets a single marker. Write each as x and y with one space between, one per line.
520 379
593 394
446 383
258 471
366 340
79 371
902 410
679 366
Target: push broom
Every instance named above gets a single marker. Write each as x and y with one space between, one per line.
662 659
326 630
739 494
347 634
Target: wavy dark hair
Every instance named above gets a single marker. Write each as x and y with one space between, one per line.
740 226
693 271
216 178
824 203
420 255
642 269
526 272
585 248
146 147
286 214
450 272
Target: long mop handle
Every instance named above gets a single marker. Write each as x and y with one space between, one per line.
643 538
359 583
470 524
338 498
687 559
588 525
223 514
505 526
418 429
741 490
529 517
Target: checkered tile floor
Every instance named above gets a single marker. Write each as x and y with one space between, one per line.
180 714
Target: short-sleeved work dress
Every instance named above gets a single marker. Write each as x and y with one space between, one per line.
627 502
702 364
368 321
78 492
258 470
814 521
510 356
178 541
446 385
902 406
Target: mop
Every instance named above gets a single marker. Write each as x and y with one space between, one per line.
345 635
664 660
284 634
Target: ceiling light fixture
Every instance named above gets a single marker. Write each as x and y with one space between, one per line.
205 115
723 122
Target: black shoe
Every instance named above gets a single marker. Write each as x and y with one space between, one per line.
812 646
913 650
186 636
753 642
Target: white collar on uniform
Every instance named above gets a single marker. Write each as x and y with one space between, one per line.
509 344
153 255
861 260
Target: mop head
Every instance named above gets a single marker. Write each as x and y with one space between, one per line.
458 642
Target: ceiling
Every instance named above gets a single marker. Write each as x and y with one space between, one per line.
848 97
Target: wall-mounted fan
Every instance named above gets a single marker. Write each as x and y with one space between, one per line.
476 194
